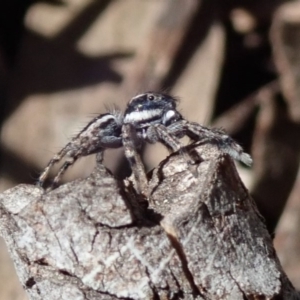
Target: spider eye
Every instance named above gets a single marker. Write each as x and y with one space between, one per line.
150 97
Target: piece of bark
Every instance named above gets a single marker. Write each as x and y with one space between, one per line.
201 236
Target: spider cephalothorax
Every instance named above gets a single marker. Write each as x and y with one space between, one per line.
149 117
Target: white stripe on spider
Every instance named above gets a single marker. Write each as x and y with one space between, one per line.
138 116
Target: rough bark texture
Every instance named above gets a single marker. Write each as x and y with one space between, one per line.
200 237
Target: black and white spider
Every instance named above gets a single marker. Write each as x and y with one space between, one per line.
149 117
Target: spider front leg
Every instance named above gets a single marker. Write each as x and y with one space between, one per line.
130 145
159 132
225 143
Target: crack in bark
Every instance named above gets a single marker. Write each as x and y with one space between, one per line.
188 274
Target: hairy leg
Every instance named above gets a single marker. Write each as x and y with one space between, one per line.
136 164
198 132
102 132
58 157
160 132
70 161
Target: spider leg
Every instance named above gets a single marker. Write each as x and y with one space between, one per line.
130 148
99 157
160 132
102 132
198 132
70 161
58 157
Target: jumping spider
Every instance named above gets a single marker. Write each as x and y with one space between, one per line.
149 117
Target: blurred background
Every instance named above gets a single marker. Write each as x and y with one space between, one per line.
233 64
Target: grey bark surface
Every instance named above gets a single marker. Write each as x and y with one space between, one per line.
200 237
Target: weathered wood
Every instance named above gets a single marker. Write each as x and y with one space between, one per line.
201 236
